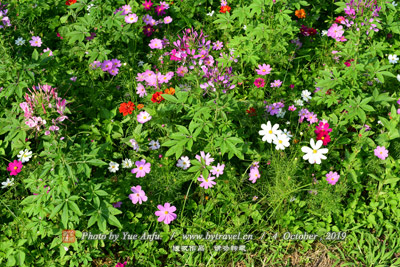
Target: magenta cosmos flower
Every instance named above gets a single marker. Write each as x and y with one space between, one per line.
14 167
207 158
36 41
141 168
381 152
264 69
206 183
166 213
138 195
156 44
131 18
143 117
147 4
332 177
259 82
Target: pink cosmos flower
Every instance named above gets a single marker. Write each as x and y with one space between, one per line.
381 152
254 174
218 170
156 44
166 213
207 158
106 65
141 91
36 41
332 177
131 18
127 9
14 167
259 82
263 69
113 71
312 118
206 183
335 32
138 195
143 117
182 71
276 83
292 108
167 20
141 168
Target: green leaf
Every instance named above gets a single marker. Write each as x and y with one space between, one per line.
96 162
74 208
64 217
101 223
114 221
170 98
35 55
20 256
56 210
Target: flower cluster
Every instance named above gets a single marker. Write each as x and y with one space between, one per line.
110 66
157 96
306 31
322 131
46 105
224 7
152 79
15 167
272 134
4 20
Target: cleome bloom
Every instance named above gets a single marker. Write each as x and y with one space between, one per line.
166 213
314 154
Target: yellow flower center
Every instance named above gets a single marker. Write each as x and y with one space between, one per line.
140 168
166 212
315 151
206 180
144 117
333 179
137 194
322 138
15 168
263 70
380 152
184 163
270 132
255 175
280 142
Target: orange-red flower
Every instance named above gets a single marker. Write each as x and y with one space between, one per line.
252 112
126 108
157 97
170 91
225 9
301 14
70 2
140 106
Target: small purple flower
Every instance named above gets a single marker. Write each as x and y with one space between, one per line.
106 65
167 20
381 152
218 45
218 170
156 44
166 213
276 83
117 204
206 183
332 177
138 195
73 78
142 167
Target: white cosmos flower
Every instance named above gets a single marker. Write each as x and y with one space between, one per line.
314 154
394 3
268 132
306 95
393 59
211 13
298 102
7 183
324 32
183 163
20 41
113 167
281 113
398 77
126 163
281 142
24 155
287 133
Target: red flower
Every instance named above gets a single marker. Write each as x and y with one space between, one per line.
157 97
126 108
252 112
70 2
225 9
